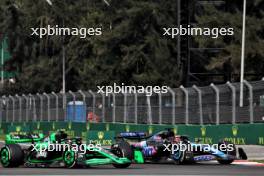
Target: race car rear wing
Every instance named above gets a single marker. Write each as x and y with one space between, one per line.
14 138
132 135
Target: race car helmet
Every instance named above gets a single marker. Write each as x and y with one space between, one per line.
60 135
177 139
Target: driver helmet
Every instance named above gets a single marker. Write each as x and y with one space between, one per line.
177 139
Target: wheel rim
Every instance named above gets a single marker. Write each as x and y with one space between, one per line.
5 156
118 152
69 158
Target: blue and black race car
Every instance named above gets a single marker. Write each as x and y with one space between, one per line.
166 146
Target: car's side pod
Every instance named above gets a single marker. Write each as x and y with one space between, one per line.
138 156
242 154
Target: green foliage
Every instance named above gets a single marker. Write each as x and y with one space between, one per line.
232 17
131 50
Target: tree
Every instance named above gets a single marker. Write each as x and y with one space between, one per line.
231 16
131 50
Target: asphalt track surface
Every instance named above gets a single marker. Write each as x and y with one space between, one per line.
144 169
206 168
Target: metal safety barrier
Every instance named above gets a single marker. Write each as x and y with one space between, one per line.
214 104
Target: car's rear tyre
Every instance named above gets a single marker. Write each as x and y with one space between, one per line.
242 154
69 158
122 165
225 161
11 156
184 157
123 150
231 152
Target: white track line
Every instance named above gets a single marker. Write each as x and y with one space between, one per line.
248 163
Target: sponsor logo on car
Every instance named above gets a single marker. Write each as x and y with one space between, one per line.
204 158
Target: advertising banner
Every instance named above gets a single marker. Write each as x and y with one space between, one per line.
100 137
239 134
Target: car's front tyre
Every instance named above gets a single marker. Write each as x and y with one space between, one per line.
11 155
231 152
69 158
123 150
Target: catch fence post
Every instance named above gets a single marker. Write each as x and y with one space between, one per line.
27 104
41 106
160 108
185 91
217 103
20 107
93 95
57 106
64 102
251 111
136 108
34 107
13 112
74 103
103 107
149 110
233 89
173 106
198 90
114 109
48 104
7 108
125 108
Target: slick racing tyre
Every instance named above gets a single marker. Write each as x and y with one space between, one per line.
11 155
122 149
231 153
69 158
183 157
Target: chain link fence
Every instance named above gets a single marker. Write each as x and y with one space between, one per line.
214 104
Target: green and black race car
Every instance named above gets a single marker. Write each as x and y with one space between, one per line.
34 150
